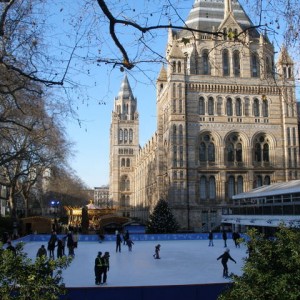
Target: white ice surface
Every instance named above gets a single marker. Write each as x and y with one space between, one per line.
182 262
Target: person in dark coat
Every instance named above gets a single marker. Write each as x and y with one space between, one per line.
224 236
105 261
70 244
98 269
225 256
41 252
129 244
118 242
211 239
60 248
236 236
157 250
51 244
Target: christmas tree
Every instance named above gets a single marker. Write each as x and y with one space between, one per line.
162 219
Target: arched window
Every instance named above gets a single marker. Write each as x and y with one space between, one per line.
180 135
239 152
261 149
234 148
230 152
229 107
125 135
128 162
257 153
236 63
123 162
205 58
266 153
212 188
180 106
255 65
256 107
202 152
174 134
265 108
120 135
201 106
125 183
202 188
174 66
226 67
231 186
238 107
179 91
211 104
211 152
206 148
174 90
130 135
179 66
240 184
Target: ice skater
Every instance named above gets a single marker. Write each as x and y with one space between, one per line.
157 250
129 244
105 261
225 256
211 239
118 242
52 244
224 236
236 238
41 252
98 269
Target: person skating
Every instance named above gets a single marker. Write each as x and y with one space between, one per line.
157 250
41 252
70 244
105 261
118 242
236 236
225 256
129 244
98 268
60 248
211 239
51 244
224 236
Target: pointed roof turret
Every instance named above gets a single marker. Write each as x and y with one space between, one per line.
206 15
162 74
125 90
284 57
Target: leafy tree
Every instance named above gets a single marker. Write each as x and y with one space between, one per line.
272 270
24 279
162 219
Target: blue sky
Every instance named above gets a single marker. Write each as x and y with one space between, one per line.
99 88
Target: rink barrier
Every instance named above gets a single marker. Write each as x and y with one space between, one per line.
134 237
174 292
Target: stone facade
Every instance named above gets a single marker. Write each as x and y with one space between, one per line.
226 121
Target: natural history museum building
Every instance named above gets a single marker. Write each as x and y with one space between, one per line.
226 121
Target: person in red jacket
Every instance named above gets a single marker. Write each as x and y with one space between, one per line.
225 256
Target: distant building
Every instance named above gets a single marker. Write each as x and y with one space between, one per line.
227 121
101 197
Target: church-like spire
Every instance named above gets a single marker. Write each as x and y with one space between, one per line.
125 90
125 103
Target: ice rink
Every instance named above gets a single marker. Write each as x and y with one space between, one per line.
182 262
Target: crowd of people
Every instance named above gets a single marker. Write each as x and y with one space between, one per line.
101 266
